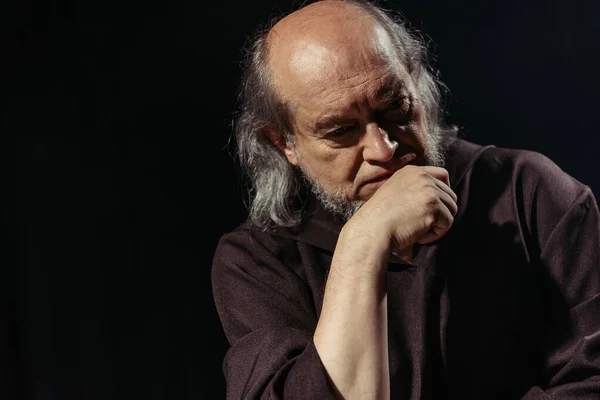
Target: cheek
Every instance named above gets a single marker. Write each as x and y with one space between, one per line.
332 167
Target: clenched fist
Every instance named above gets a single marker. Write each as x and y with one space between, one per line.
415 205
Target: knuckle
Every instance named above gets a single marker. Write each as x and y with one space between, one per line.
429 220
430 195
421 173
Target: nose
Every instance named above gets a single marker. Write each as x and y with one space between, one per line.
377 145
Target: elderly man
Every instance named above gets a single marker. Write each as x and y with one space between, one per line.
383 256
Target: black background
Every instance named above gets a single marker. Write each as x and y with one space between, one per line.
115 121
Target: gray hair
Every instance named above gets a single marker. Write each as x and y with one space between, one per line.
275 185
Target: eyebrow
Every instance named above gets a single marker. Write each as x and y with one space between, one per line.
389 90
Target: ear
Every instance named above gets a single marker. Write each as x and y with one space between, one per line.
278 141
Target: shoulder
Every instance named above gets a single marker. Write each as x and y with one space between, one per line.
521 187
528 175
535 176
246 240
254 250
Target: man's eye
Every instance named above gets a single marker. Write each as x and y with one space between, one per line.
340 131
398 108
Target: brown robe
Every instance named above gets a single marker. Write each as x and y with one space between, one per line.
505 306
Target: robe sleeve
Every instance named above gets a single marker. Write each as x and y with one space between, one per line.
269 318
569 257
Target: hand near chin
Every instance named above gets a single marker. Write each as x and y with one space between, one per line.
415 205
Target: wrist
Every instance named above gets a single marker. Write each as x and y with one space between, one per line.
365 241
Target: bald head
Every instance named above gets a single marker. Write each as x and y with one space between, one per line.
322 21
323 41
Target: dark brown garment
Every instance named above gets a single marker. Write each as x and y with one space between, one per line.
505 306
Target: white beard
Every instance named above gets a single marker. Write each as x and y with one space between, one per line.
337 202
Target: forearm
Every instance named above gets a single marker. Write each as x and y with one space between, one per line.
351 335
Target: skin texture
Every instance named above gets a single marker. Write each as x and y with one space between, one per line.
360 133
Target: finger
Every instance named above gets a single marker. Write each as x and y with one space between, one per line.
448 201
446 189
438 173
440 227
